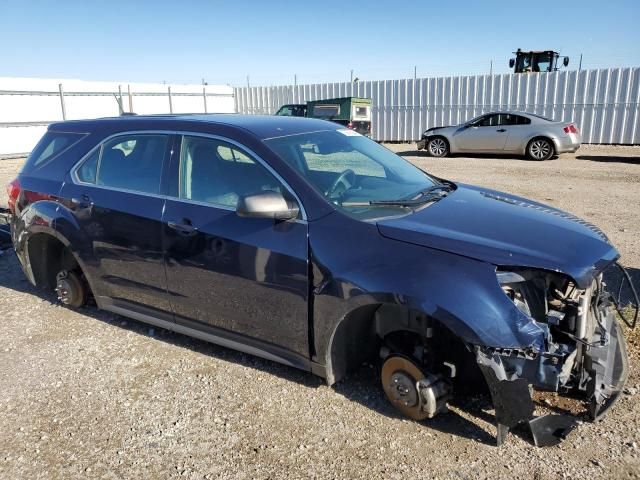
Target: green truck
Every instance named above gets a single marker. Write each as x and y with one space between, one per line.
352 112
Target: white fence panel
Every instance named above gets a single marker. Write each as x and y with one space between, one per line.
28 105
605 104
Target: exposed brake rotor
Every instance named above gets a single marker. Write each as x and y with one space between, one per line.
399 381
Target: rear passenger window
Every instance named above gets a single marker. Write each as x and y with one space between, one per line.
510 119
219 173
133 162
51 145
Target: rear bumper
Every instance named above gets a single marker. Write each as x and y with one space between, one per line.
569 144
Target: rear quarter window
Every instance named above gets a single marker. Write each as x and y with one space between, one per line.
51 145
520 120
88 171
130 161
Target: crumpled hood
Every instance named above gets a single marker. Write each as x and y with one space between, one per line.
506 230
428 130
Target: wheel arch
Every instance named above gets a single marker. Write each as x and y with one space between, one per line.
41 226
46 252
358 335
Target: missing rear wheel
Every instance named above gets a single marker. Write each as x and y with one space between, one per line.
70 289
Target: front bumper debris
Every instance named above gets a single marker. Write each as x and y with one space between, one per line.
603 371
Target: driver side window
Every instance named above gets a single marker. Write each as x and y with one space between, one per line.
490 121
216 172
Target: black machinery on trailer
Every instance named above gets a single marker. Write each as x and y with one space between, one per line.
537 61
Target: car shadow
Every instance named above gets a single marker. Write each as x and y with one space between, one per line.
634 160
425 154
363 387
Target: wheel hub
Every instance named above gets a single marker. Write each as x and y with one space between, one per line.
540 149
437 147
62 290
403 389
68 288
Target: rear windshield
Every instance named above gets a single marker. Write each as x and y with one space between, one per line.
540 116
50 146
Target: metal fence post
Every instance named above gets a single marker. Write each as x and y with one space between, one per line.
130 98
204 96
120 107
64 110
170 101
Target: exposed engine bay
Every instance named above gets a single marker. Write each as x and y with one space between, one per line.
582 356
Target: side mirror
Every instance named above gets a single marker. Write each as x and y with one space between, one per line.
565 62
267 204
512 62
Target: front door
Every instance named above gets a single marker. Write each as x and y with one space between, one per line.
245 276
487 134
115 198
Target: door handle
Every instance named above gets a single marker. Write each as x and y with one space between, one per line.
501 130
183 228
83 201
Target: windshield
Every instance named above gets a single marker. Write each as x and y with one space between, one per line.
352 171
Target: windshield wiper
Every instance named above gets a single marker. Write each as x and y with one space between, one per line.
408 202
430 194
444 188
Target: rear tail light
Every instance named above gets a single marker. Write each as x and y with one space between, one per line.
13 191
31 197
570 129
350 125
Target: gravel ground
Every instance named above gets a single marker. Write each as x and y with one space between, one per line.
91 394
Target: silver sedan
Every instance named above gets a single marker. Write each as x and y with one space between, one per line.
516 133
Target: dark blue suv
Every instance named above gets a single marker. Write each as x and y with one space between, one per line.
308 244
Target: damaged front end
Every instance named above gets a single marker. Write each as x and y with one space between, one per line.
583 356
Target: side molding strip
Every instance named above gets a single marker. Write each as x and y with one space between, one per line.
107 304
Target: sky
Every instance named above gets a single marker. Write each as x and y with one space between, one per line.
273 42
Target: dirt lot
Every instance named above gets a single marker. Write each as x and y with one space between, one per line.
91 394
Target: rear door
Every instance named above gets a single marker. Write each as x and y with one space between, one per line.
486 135
227 274
115 197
